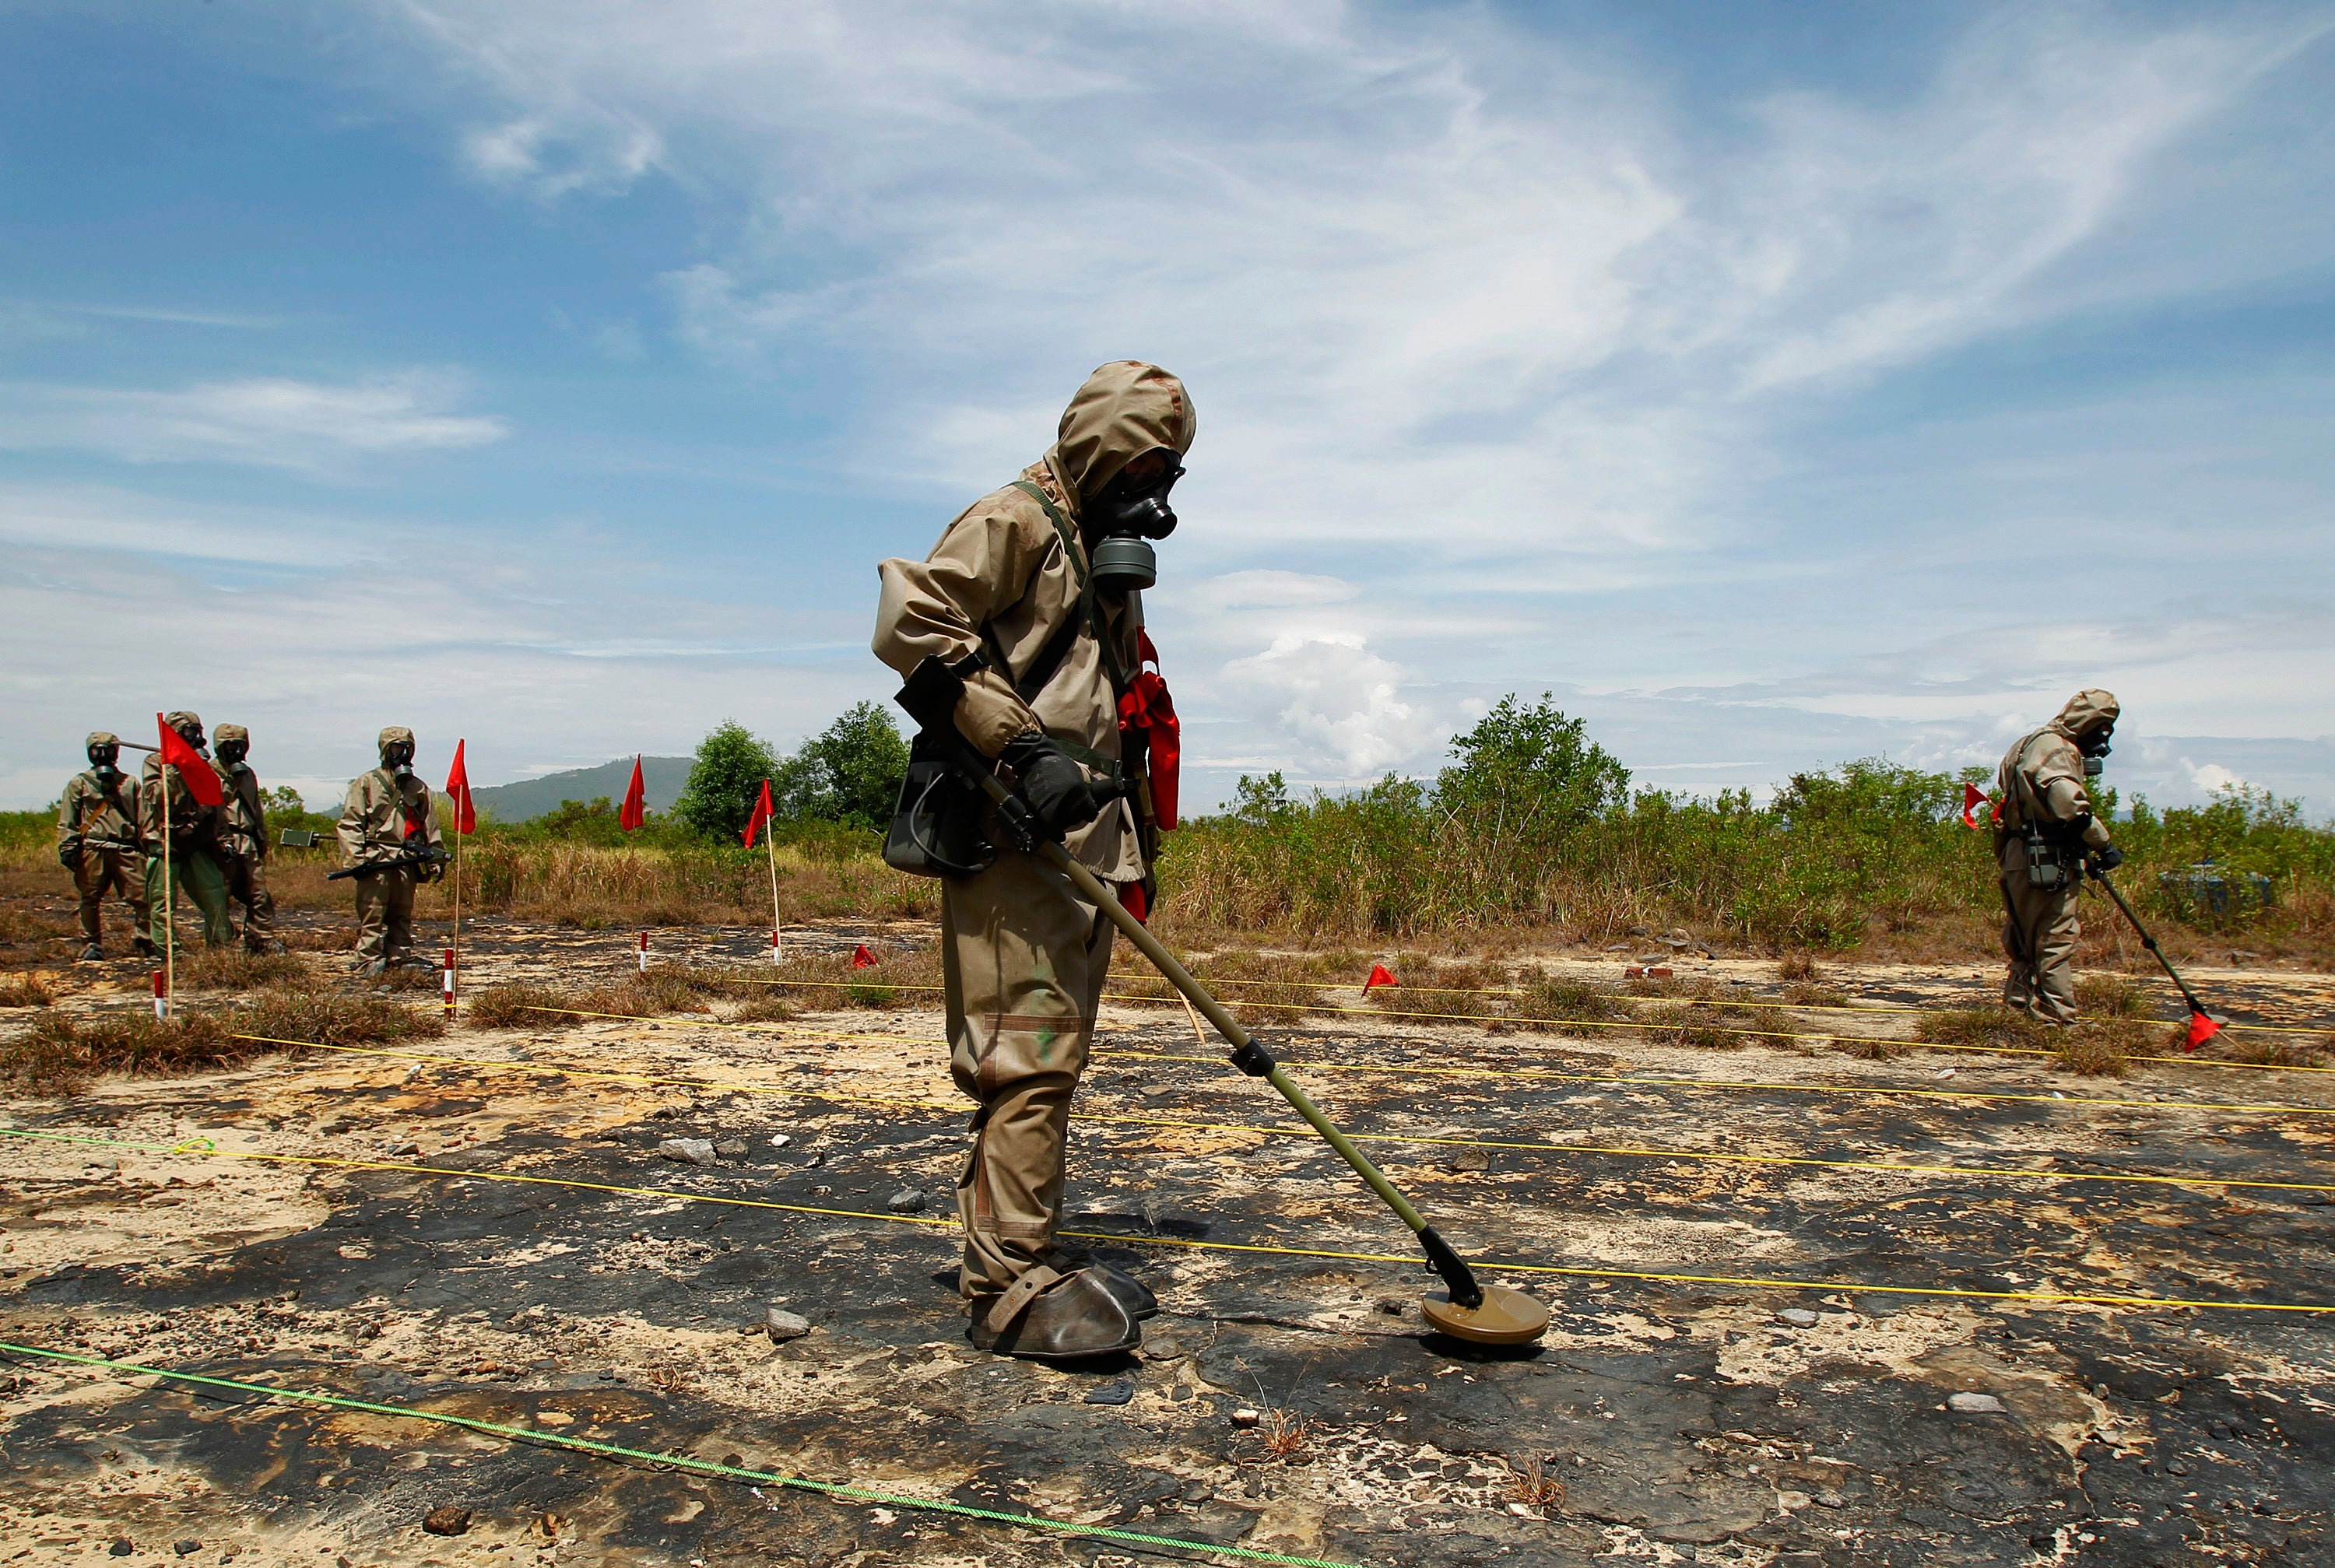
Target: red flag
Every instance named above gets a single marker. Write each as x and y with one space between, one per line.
636 801
1134 901
1380 975
195 775
1973 799
763 812
2201 1030
1147 706
861 958
458 790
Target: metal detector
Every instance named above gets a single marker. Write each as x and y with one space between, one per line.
2197 1013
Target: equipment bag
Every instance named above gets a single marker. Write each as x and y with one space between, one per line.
935 827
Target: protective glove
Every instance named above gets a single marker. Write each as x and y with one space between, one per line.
69 856
1055 785
2105 861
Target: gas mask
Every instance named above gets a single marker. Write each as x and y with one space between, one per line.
1130 514
233 752
193 736
2095 747
102 758
398 756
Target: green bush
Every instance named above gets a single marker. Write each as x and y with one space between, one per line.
725 782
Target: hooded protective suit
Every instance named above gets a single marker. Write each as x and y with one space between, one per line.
97 841
194 857
2042 782
243 841
386 813
1024 955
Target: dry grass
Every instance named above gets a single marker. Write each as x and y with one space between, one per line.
25 991
1549 1002
232 969
1798 966
1696 1013
1531 1484
2098 1049
2111 995
1989 1028
660 991
1284 1433
900 978
1443 991
1266 988
62 1053
2257 1049
1807 993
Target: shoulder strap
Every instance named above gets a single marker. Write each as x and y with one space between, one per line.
1061 526
1049 658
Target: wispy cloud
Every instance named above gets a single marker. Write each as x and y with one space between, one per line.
309 426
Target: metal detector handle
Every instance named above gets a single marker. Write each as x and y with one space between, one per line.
1253 1059
2149 941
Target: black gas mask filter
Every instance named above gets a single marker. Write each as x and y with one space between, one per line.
103 758
2095 748
1131 513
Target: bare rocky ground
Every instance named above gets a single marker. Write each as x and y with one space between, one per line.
1661 1420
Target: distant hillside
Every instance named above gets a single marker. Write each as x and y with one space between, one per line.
663 777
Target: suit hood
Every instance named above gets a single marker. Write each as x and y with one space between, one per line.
1126 409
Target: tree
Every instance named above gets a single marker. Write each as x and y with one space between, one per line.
1530 776
725 781
849 772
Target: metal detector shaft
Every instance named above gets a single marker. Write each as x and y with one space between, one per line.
2150 942
1252 1059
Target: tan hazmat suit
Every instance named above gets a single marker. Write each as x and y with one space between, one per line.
96 840
1023 954
194 857
243 843
2041 781
386 813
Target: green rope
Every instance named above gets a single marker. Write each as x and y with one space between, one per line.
684 1461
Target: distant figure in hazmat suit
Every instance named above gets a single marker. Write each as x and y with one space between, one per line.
2043 831
389 837
1026 604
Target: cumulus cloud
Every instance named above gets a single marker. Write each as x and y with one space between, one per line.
1335 699
271 422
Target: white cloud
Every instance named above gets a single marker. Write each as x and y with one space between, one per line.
2209 777
1336 700
270 422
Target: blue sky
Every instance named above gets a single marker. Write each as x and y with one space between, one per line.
1776 384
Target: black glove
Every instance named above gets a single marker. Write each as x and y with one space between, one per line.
1055 787
69 856
2105 861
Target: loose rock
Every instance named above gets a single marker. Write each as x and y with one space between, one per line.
906 1202
731 1148
185 1548
782 1326
447 1521
689 1151
1245 1418
1974 1404
1115 1393
1798 1317
1469 1160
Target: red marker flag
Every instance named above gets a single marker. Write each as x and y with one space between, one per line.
1380 975
1147 707
195 775
1973 799
861 958
2201 1030
763 812
458 790
636 801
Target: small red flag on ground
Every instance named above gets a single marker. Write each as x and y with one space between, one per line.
1973 799
2201 1030
861 958
636 801
195 775
763 812
458 790
1380 975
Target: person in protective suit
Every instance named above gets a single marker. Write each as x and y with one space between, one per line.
2043 833
243 839
390 821
1011 603
97 841
194 857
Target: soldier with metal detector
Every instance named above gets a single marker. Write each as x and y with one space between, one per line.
2044 834
388 836
243 839
1019 634
97 841
192 862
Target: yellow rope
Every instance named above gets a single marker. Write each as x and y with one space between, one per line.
202 1148
1186 1125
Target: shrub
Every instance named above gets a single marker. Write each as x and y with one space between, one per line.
725 782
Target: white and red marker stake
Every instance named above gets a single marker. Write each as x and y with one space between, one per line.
645 953
161 996
446 982
774 947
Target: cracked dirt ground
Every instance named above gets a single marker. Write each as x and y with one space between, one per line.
1659 1421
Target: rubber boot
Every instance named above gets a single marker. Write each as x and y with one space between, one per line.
1045 1316
1132 1293
93 954
143 945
